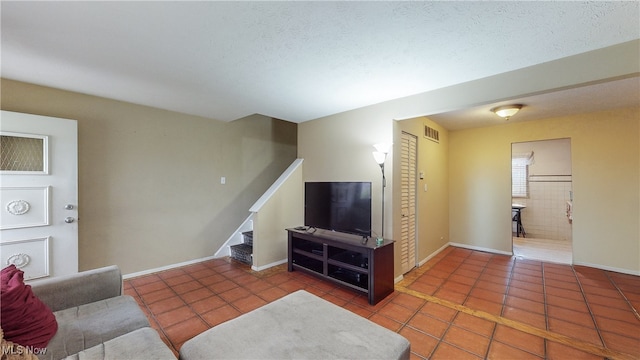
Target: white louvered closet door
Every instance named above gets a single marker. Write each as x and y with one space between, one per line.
408 160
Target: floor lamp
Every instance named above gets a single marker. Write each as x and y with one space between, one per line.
380 155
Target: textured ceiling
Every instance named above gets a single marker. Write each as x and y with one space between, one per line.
295 61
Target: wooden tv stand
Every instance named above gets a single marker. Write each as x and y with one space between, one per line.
343 259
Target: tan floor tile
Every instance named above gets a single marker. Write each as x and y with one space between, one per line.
249 303
619 327
177 280
614 313
483 305
575 331
556 351
424 288
450 295
151 287
208 304
186 287
422 345
165 305
500 351
175 316
529 318
438 311
386 322
474 324
234 294
408 301
185 330
482 293
396 312
143 280
628 344
525 304
220 315
526 294
576 317
467 340
446 351
150 298
196 295
519 340
429 325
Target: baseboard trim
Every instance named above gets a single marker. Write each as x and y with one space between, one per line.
433 254
608 268
264 267
479 248
168 267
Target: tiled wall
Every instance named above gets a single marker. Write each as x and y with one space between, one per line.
545 214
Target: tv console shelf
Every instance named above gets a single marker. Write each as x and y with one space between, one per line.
343 259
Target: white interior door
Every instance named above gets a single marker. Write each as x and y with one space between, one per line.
38 194
408 160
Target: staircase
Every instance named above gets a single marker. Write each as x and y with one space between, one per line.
244 252
239 245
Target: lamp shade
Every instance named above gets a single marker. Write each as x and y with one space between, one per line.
507 111
379 157
382 147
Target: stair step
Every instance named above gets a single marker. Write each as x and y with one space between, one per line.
243 253
248 237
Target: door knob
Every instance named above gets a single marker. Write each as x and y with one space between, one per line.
68 207
69 220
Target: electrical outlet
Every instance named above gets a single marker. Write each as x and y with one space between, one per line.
223 180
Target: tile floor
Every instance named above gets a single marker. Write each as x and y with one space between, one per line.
557 251
462 304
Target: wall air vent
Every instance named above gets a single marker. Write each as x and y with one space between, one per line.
431 134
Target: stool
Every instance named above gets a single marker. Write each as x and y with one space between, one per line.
517 217
297 326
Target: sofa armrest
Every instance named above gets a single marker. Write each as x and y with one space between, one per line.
85 287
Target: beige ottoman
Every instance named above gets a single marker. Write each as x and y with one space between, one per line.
297 326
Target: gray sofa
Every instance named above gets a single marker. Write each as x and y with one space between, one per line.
95 320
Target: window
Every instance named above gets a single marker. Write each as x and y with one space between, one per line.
23 153
520 174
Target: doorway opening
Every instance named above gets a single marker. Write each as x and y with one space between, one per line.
542 200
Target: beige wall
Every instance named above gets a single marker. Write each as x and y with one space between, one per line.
149 179
604 154
551 157
340 148
285 209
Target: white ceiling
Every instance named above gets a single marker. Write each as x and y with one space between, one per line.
297 61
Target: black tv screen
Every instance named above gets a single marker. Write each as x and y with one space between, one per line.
338 206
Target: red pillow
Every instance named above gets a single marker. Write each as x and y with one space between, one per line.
25 319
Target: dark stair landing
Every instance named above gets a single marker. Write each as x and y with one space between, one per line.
244 252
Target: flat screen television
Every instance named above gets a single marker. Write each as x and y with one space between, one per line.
338 206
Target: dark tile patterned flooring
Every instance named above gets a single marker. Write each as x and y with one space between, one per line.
462 304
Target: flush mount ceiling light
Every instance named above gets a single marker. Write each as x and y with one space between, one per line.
507 111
